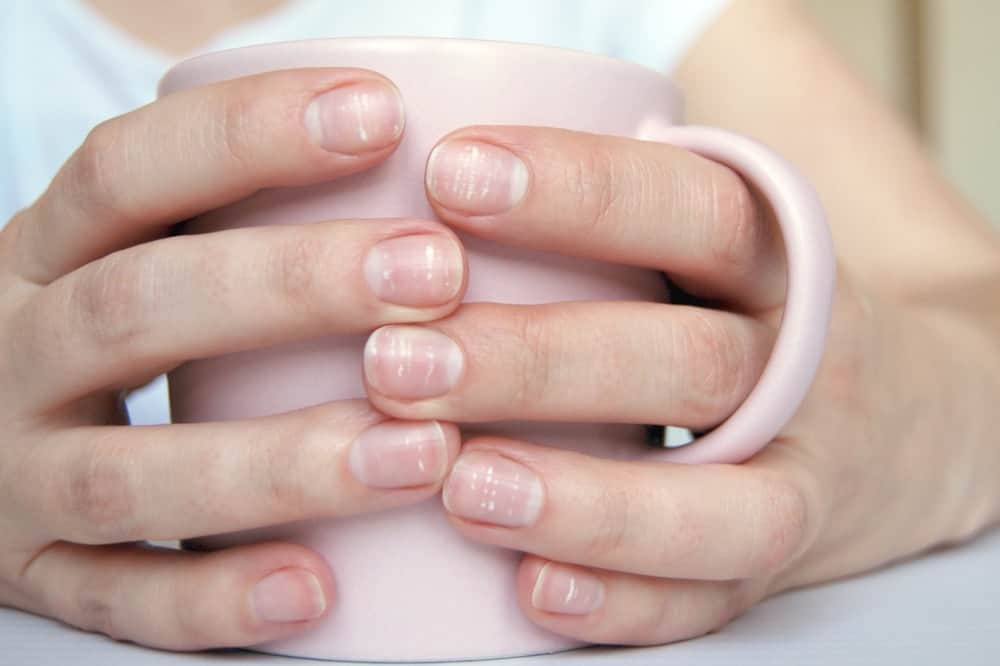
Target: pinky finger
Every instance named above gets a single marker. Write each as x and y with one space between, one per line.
181 600
610 607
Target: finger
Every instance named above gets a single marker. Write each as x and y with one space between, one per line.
557 362
180 600
710 522
199 149
614 199
148 308
609 607
111 484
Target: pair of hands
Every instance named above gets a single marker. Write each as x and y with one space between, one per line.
97 298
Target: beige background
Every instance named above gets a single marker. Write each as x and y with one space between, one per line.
937 61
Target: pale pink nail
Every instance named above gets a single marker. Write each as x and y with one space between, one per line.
397 454
489 488
288 595
419 271
411 362
476 178
355 118
567 590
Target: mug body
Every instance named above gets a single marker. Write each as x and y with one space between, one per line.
408 587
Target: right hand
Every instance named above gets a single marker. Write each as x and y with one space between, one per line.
96 298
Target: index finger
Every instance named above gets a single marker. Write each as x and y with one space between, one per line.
613 199
198 149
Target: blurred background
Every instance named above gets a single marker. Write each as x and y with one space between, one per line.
937 61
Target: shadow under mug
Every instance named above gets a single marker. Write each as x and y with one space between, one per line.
408 587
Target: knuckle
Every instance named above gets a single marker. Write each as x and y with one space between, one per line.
194 621
218 267
722 604
19 247
99 495
96 170
535 353
240 131
590 183
784 519
611 526
294 274
719 366
93 611
654 625
737 230
737 597
111 297
681 548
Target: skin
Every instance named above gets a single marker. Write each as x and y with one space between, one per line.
894 451
180 27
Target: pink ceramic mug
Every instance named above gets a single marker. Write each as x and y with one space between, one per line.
408 587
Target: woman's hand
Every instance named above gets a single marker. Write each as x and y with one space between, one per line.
893 451
95 298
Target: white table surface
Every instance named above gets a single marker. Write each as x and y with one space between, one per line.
943 608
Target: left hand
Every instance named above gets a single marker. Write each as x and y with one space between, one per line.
868 471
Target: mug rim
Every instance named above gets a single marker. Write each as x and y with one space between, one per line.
173 79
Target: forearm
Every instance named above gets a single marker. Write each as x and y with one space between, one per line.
763 70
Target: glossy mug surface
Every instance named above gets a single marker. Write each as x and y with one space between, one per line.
408 587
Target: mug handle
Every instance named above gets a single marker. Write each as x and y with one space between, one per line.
798 348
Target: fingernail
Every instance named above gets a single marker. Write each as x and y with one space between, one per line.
355 118
398 454
411 362
476 178
568 590
289 595
488 488
418 271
